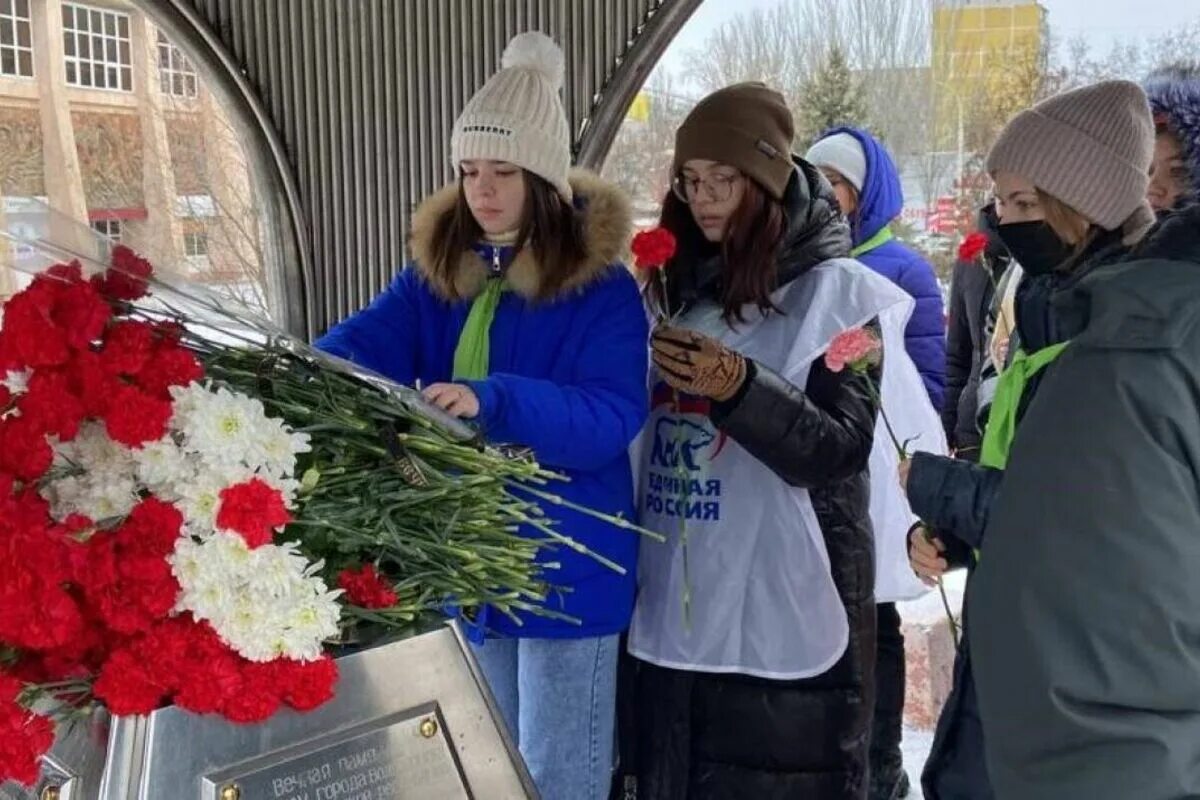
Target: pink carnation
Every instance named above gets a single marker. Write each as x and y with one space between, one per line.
857 348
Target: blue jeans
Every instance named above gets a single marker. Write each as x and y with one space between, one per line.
558 698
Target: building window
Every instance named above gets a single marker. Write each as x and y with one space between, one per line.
110 228
16 43
195 245
97 48
175 73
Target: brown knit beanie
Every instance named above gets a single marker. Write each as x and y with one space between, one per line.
1090 148
747 126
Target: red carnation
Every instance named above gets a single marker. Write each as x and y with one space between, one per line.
23 514
259 697
653 248
92 383
125 685
972 246
5 397
55 619
24 739
253 509
166 650
366 588
127 278
190 659
81 313
206 687
30 337
80 657
24 452
169 366
128 345
130 591
135 417
63 273
152 528
10 688
50 405
308 684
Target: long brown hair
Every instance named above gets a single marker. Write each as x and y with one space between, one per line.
550 227
750 249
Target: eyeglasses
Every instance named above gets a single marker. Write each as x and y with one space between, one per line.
718 188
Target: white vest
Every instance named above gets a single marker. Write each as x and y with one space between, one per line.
762 599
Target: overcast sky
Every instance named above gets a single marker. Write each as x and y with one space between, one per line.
1100 21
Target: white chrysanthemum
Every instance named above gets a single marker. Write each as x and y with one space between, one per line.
221 426
210 574
187 562
225 428
278 571
163 467
276 448
265 603
96 450
310 624
106 496
100 483
17 380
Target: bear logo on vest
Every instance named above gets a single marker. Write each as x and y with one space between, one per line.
677 440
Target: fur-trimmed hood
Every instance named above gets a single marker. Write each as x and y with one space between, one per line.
607 226
1175 94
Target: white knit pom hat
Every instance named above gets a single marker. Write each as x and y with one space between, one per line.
518 115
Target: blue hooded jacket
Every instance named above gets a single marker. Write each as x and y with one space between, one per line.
567 379
881 201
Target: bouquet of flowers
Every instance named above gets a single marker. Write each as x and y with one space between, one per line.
195 507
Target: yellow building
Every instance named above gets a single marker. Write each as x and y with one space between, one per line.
976 45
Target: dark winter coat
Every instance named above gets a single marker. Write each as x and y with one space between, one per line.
971 293
730 736
881 201
1085 627
955 498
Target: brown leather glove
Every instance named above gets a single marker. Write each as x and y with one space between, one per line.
697 364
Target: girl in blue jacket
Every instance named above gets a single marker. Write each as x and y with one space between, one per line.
517 315
867 186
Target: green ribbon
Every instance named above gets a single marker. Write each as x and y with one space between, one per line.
882 236
1002 419
474 343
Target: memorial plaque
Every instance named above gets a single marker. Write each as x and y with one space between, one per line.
410 719
402 757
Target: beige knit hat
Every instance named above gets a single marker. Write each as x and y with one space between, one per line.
518 116
1090 148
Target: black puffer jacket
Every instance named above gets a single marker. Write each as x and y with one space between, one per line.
971 292
731 736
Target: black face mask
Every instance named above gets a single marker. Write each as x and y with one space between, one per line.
1035 246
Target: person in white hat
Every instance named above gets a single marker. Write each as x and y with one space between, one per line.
517 315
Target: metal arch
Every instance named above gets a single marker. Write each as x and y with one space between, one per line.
290 285
347 106
608 112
